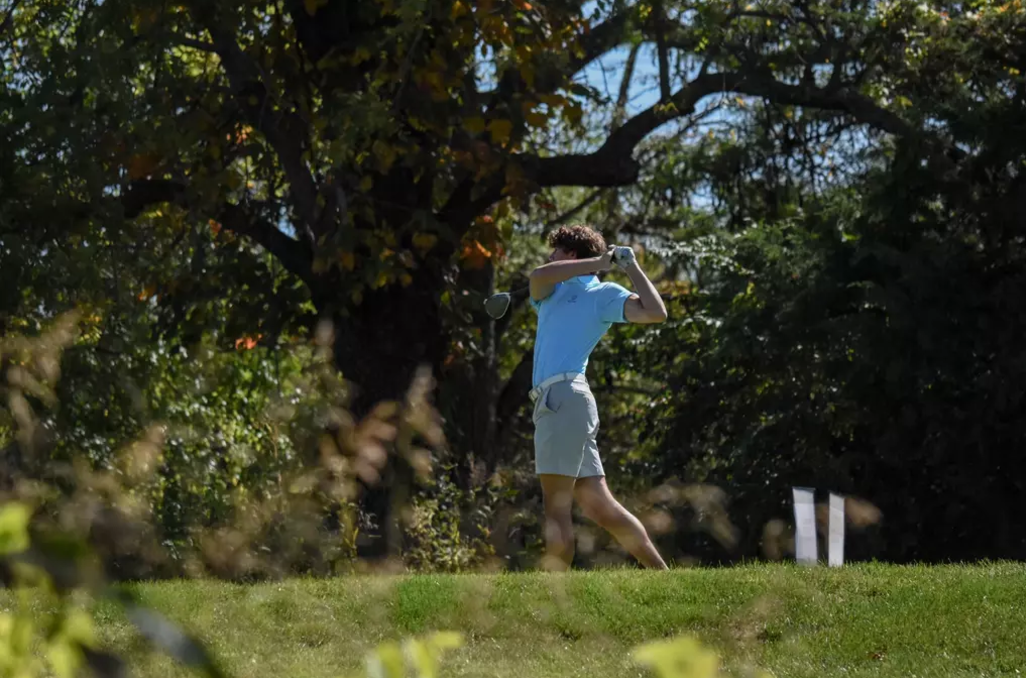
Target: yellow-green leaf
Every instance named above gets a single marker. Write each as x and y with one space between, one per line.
78 626
552 99
527 73
501 130
14 521
424 241
425 652
385 154
20 638
678 658
446 640
574 113
360 55
386 661
474 125
536 119
64 657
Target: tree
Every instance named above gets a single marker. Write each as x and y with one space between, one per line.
860 336
377 150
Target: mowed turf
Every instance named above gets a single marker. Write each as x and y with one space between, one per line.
862 620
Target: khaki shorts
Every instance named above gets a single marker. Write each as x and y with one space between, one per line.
566 427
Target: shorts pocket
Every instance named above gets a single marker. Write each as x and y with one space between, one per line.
545 406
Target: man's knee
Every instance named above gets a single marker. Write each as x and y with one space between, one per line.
559 529
559 542
606 512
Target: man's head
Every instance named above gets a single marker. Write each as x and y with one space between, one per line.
576 242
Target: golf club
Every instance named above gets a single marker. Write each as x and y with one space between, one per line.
497 304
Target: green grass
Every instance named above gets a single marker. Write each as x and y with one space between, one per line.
863 620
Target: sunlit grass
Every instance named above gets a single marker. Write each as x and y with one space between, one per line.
863 620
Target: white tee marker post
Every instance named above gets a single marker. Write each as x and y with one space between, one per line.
805 526
835 553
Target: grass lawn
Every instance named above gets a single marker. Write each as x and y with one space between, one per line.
862 620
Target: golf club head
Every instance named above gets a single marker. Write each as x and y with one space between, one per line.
497 304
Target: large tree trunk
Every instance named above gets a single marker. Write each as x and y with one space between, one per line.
379 350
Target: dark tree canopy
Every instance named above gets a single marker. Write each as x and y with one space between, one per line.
243 171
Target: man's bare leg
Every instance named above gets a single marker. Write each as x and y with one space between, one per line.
599 505
558 495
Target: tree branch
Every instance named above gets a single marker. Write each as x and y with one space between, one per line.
465 203
193 43
602 38
9 19
592 197
664 60
292 254
143 194
625 86
782 18
596 42
857 105
613 163
808 18
285 132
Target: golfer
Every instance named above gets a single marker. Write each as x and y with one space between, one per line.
575 311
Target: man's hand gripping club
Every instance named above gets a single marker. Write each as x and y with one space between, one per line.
643 307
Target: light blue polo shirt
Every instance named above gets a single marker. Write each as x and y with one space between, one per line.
571 321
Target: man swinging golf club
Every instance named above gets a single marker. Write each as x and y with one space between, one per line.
575 311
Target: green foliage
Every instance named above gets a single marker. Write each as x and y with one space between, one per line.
679 658
14 520
840 356
47 630
683 657
448 529
828 196
391 659
203 488
50 630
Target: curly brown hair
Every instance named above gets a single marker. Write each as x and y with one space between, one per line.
580 239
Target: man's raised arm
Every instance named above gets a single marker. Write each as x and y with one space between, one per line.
645 306
545 278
